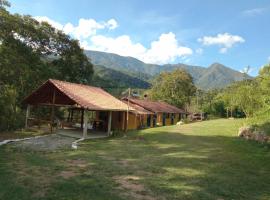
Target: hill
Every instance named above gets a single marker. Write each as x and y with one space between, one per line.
214 76
116 81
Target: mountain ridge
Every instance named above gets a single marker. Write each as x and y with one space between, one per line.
215 76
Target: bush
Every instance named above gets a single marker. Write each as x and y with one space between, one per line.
11 116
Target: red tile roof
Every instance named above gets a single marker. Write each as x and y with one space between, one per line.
138 109
155 106
88 97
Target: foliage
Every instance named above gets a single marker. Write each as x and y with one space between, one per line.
115 81
245 95
30 53
10 114
174 87
214 76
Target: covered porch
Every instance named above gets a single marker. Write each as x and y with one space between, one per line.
89 111
77 133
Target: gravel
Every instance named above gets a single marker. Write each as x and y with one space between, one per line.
46 143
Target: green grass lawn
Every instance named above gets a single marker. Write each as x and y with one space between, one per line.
204 160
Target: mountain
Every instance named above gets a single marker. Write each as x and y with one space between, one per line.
116 81
214 76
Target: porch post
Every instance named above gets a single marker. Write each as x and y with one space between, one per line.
110 123
52 111
82 118
27 115
85 118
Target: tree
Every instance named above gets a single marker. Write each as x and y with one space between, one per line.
4 3
30 53
174 87
245 95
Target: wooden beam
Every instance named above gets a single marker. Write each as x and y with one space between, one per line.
27 115
109 123
85 121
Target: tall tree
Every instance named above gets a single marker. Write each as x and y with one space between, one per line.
174 87
30 53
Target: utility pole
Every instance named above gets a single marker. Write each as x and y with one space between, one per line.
127 108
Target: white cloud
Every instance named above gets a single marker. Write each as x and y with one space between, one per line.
50 21
164 50
269 59
121 45
112 24
85 27
248 70
224 40
253 12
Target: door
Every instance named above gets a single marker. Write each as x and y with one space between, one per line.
172 119
164 119
154 120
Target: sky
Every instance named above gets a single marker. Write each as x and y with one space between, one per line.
195 32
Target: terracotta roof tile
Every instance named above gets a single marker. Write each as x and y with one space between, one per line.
138 109
156 106
92 98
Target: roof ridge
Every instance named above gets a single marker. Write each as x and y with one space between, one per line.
52 80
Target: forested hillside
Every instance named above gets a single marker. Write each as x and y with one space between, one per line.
115 81
215 76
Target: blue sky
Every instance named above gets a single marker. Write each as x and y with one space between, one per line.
234 33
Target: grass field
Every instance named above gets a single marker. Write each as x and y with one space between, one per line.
204 160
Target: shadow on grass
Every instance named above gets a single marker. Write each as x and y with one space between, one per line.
176 165
170 164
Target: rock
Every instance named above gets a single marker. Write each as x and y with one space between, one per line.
260 137
245 132
249 134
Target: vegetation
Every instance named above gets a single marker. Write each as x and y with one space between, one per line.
174 87
213 77
195 161
115 82
30 53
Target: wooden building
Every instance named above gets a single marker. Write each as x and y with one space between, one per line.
98 110
159 113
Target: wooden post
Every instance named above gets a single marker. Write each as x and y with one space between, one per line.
71 115
136 121
109 123
52 111
27 116
127 109
82 118
85 119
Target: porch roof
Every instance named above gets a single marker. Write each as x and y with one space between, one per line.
56 92
155 106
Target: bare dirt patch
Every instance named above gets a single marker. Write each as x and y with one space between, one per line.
67 174
132 188
46 143
77 163
124 163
